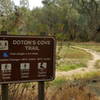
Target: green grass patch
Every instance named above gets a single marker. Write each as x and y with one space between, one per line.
70 67
73 53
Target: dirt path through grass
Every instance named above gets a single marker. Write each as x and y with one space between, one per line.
95 57
90 64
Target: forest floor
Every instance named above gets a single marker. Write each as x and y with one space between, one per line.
90 64
83 89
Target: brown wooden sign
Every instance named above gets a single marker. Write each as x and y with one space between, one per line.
26 59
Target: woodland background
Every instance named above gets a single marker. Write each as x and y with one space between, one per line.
68 20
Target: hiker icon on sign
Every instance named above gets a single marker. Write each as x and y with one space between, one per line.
42 66
3 45
25 66
6 67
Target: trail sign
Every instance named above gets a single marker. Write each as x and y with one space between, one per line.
26 59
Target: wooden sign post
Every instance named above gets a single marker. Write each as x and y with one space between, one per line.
41 90
4 87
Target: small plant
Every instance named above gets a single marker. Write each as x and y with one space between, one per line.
97 65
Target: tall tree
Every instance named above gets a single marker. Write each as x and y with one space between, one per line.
6 8
89 10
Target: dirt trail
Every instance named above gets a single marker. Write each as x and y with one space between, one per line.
95 57
90 64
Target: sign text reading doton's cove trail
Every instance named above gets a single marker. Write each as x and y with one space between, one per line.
26 59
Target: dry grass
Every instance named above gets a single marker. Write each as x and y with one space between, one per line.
91 45
97 65
70 58
71 92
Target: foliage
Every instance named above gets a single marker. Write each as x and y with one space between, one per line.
72 20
